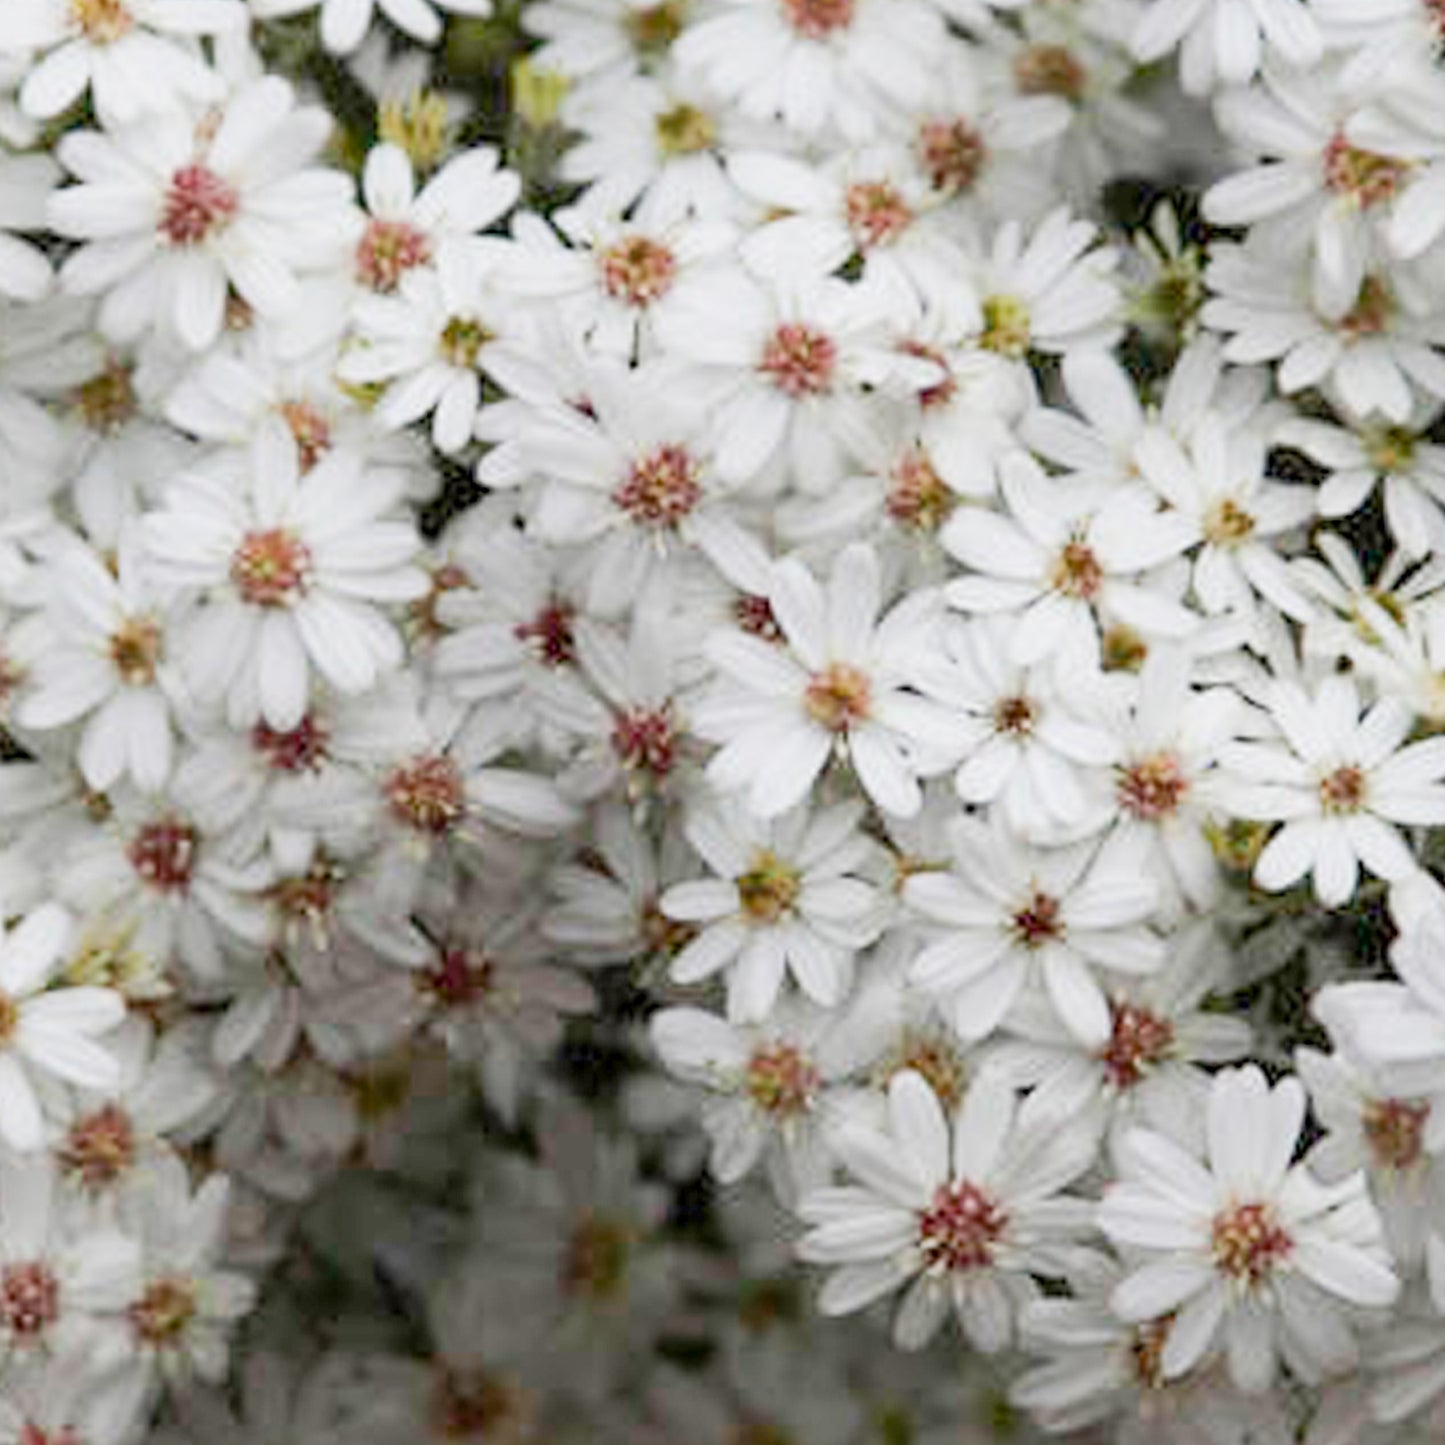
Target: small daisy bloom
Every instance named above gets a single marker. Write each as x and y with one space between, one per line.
787 898
45 1030
172 218
964 1216
1337 781
124 51
344 23
841 686
1240 1247
1009 916
295 567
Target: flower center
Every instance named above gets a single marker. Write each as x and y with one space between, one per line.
427 794
1343 791
952 153
663 937
769 888
460 977
101 21
1007 327
107 401
135 648
304 900
941 392
1038 921
645 740
1015 716
754 614
32 1434
164 1312
637 270
549 635
198 205
480 1405
163 853
960 1230
1146 1351
661 488
9 1018
839 697
876 212
1394 1130
1050 70
271 568
781 1080
1123 649
683 130
653 28
29 1299
1138 1041
932 1056
99 1148
1152 788
1372 312
387 250
1076 572
309 429
595 1261
462 340
799 360
1248 1242
917 496
1227 524
1390 448
417 124
1365 177
301 750
817 19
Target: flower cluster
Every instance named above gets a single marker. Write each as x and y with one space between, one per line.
817 642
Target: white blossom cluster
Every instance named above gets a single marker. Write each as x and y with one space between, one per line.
714 679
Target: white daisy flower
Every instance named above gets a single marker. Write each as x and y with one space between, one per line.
1225 41
1012 917
344 23
46 1030
1337 781
134 56
292 567
963 1216
1241 1247
171 217
788 898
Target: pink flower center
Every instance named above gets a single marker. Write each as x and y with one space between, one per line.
549 635
799 360
1077 572
271 568
941 392
460 977
304 900
645 740
661 488
817 19
1365 177
198 205
1138 1041
1395 1130
781 1080
99 1148
427 794
961 1229
1038 922
164 1312
1152 788
387 251
839 697
1343 791
310 430
301 750
917 496
952 152
29 1299
1248 1242
101 21
163 853
754 614
876 212
637 270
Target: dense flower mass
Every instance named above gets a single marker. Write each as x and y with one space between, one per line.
722 720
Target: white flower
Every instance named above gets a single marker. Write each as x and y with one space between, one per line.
45 1030
787 899
1225 41
294 567
344 23
963 1216
1242 1246
1010 917
841 686
1337 781
124 51
172 218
